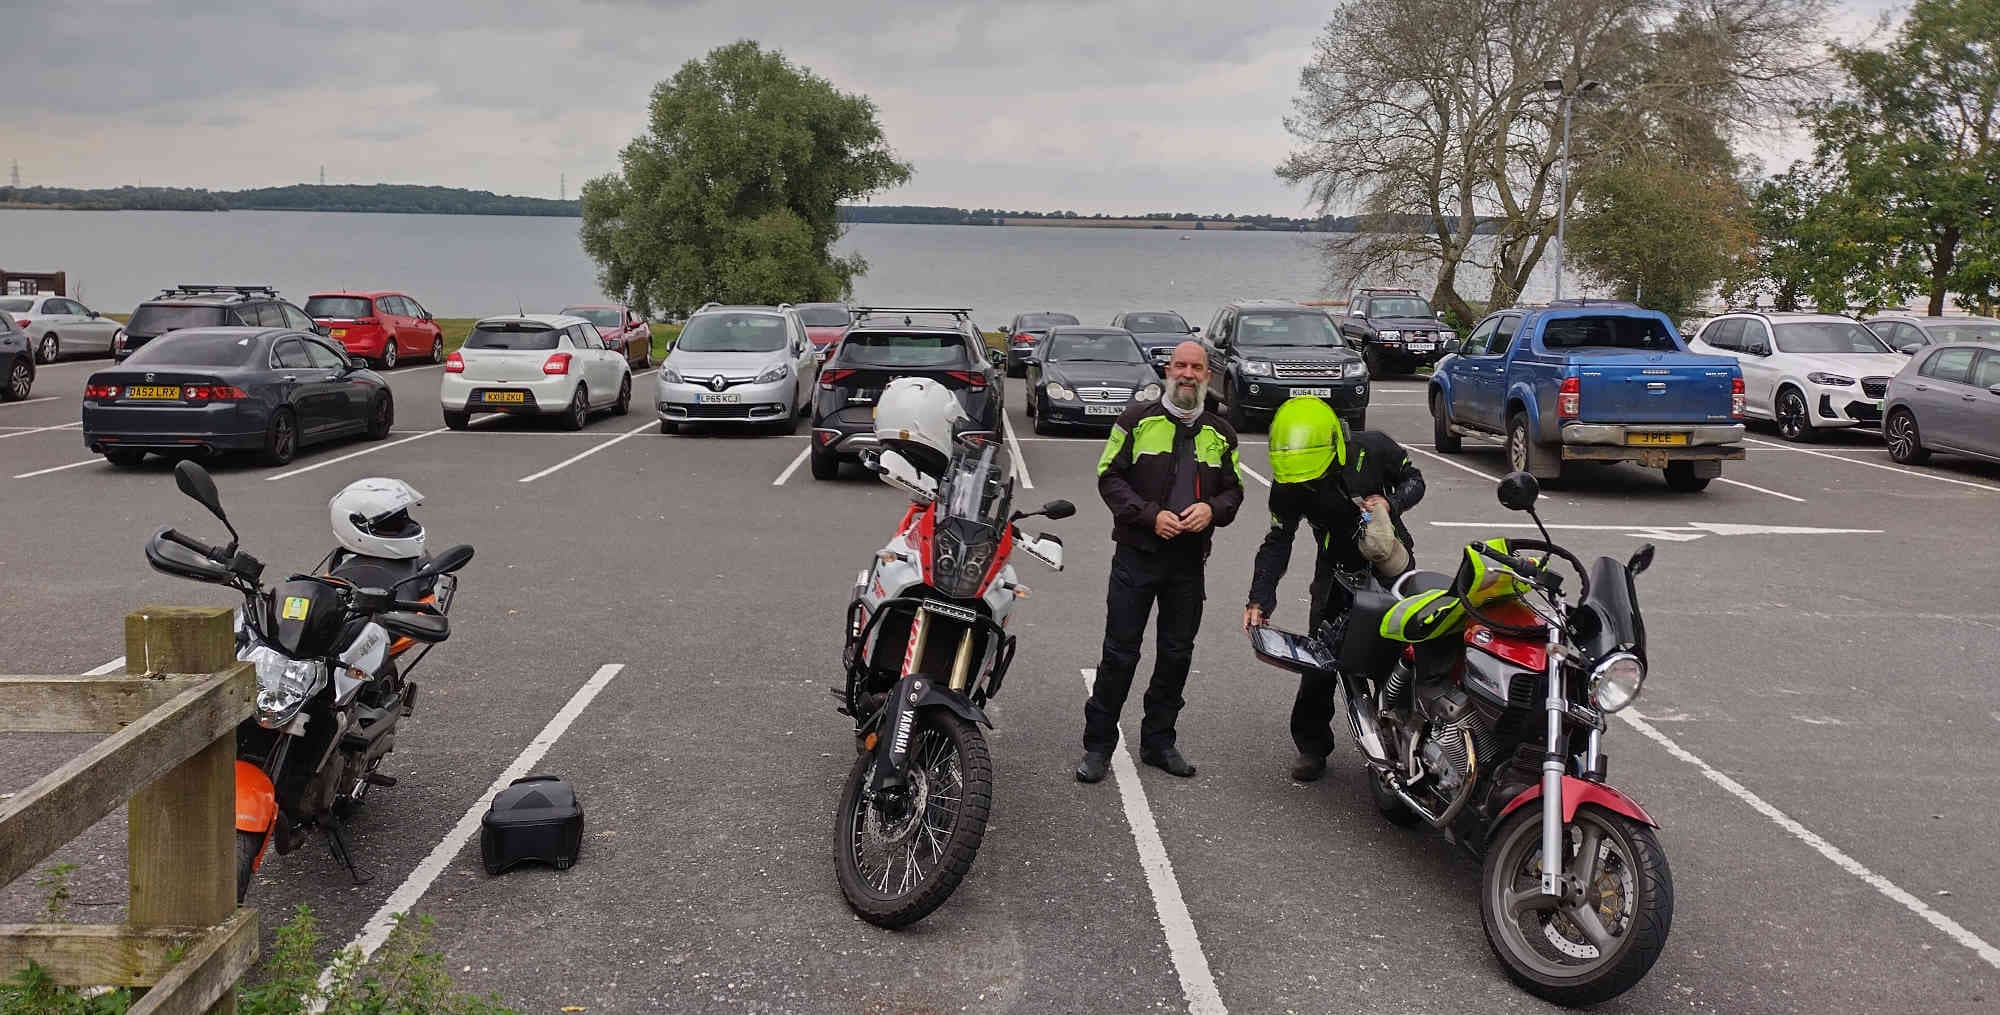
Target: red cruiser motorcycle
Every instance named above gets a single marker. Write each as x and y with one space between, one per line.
1478 702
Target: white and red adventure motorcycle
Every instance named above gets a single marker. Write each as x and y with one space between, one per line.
927 647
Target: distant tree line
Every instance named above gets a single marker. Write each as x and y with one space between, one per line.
380 197
930 215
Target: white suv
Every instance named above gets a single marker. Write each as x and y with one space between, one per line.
1805 372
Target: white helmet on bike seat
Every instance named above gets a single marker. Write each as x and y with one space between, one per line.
917 416
371 517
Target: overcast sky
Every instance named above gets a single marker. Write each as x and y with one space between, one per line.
1121 106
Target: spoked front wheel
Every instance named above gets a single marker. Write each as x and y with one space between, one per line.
899 863
1599 938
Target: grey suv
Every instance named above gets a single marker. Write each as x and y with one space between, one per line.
210 306
1262 352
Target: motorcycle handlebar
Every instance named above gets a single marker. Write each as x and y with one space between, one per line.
1519 565
177 537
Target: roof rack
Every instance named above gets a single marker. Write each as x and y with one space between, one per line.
959 312
1395 291
193 289
1586 301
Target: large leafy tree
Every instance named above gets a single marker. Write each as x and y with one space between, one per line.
1663 232
732 193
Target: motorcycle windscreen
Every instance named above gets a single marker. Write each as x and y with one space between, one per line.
306 618
972 505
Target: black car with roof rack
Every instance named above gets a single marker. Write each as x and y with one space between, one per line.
1396 330
207 305
886 343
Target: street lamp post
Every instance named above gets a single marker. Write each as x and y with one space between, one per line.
1561 87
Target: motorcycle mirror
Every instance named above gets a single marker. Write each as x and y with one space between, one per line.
1641 560
1056 510
1518 491
199 485
453 558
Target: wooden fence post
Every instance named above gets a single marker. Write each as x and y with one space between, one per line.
181 837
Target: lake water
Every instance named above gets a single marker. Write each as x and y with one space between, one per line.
471 266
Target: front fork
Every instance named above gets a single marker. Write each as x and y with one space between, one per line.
1553 763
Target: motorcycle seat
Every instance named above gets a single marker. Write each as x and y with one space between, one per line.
1418 582
381 572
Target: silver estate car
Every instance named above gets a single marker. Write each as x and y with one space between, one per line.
739 366
1947 399
1909 332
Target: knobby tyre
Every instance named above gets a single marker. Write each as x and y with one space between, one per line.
248 846
1590 948
895 870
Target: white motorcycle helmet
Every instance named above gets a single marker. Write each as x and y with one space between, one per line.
917 416
371 517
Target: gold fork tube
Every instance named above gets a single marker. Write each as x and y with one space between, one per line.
913 652
961 664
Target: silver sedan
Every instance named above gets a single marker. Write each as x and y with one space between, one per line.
57 326
1947 399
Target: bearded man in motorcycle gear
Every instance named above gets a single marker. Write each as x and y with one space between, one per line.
1339 482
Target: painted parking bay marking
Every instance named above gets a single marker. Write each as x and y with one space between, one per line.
1677 533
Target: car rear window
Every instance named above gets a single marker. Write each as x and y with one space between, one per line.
894 349
1155 324
529 336
16 306
1987 332
825 317
158 320
1043 322
1642 334
227 349
344 308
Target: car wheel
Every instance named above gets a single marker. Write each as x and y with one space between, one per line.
281 438
1372 358
624 397
457 420
20 380
389 353
1906 446
645 354
125 458
578 411
49 349
1681 478
1239 417
381 417
1041 419
1523 455
1358 421
1446 442
825 462
437 349
669 428
1794 424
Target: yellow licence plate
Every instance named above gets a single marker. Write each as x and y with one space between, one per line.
514 397
153 391
1657 439
339 333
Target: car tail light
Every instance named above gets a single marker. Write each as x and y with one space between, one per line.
1736 398
1569 398
214 393
972 378
21 322
1026 336
101 391
829 378
557 364
454 364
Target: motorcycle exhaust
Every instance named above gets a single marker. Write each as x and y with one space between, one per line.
1361 719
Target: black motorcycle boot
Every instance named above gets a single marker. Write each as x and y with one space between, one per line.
1308 767
1091 768
1170 760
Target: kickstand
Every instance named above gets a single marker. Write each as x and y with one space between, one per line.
342 846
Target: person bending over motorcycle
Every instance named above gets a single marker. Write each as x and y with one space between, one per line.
1329 477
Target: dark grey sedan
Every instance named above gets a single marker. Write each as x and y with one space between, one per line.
1082 376
1947 399
210 390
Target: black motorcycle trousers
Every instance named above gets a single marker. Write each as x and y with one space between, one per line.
1139 579
1312 709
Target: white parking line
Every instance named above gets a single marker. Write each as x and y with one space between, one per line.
356 454
573 459
794 467
59 468
1759 489
411 891
1183 944
1020 460
1456 465
1876 465
42 429
1951 928
1254 474
28 401
109 667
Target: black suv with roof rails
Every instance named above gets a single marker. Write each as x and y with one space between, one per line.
210 306
883 344
1396 330
1262 352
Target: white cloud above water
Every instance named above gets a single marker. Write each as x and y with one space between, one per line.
1097 105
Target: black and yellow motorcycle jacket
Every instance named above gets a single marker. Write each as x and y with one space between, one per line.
1142 462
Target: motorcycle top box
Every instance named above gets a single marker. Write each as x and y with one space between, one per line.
535 818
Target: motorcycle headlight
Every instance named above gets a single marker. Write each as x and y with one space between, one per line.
1831 380
776 373
1058 392
284 685
1257 368
1353 370
1149 393
1615 683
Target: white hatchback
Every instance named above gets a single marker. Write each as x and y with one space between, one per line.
1805 372
534 364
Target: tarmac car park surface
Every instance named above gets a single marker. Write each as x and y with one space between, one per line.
1820 735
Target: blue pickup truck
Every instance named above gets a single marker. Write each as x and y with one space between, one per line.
1591 381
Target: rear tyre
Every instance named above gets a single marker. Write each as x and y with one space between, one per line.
124 458
437 349
1627 902
577 413
1239 417
49 349
1794 422
381 417
20 380
624 397
249 847
1906 446
1041 419
389 355
1681 478
645 354
457 420
896 869
1523 455
1372 358
281 438
1446 442
825 462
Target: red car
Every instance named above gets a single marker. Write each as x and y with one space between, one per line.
622 329
384 327
825 323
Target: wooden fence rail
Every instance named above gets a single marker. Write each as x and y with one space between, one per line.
170 759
